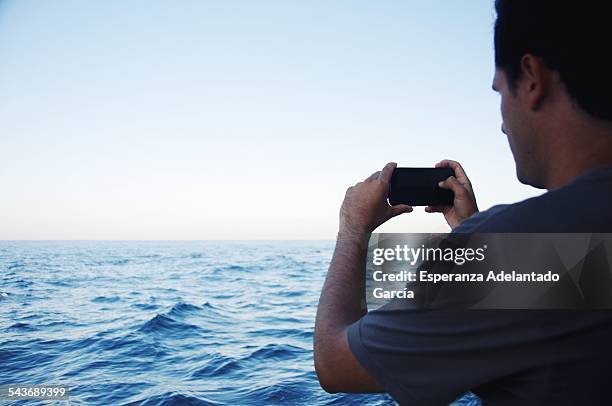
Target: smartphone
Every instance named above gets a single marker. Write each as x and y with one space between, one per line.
419 187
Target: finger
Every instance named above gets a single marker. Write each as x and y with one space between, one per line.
400 209
387 171
373 176
436 209
453 184
456 167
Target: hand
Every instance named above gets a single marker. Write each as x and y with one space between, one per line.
464 204
365 205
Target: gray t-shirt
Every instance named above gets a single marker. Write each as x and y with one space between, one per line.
507 357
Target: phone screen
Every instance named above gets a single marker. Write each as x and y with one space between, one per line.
419 187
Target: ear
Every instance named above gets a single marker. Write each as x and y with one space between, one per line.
535 80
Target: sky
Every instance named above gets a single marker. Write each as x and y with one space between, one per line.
237 119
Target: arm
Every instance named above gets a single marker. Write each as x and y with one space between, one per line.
342 300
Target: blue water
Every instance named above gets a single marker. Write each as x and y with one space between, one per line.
166 322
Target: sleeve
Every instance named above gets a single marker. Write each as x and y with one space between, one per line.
472 224
432 357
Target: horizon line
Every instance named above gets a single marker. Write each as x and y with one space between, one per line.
162 240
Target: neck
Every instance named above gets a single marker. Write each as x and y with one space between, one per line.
575 158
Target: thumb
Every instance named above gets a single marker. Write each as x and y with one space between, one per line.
453 184
400 209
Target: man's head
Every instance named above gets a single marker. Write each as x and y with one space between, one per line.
553 71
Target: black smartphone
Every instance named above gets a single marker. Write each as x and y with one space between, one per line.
419 187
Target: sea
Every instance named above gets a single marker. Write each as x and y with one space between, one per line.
167 322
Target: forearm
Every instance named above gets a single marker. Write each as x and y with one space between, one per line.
342 303
342 300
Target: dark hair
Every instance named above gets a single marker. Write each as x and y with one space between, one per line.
572 38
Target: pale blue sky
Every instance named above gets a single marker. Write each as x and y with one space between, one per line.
236 119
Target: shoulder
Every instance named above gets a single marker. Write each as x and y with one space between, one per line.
577 207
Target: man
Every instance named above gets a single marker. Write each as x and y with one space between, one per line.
553 74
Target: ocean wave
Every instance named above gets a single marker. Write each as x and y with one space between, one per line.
145 306
22 283
305 334
22 327
173 398
22 358
274 352
282 393
108 262
160 323
182 309
106 299
15 265
219 364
